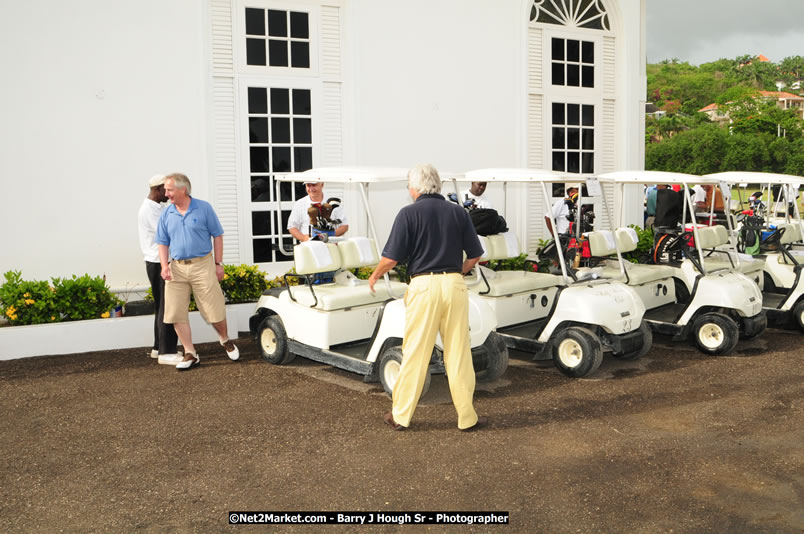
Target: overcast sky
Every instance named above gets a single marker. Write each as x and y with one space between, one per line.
699 31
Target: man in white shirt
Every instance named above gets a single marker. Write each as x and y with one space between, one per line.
474 193
560 209
299 221
165 338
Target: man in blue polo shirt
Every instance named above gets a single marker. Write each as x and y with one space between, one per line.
187 233
431 235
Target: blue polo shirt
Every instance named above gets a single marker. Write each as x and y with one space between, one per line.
431 235
189 235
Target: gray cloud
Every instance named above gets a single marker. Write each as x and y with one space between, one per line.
705 30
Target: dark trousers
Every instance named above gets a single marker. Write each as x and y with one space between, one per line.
165 337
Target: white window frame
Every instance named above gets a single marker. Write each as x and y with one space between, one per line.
239 41
246 206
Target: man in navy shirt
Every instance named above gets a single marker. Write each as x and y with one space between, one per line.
187 233
431 235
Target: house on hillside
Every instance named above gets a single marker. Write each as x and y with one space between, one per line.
783 99
99 96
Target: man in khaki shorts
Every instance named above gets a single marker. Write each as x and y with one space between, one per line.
190 239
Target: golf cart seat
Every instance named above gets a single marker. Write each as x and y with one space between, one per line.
501 283
712 237
601 244
312 257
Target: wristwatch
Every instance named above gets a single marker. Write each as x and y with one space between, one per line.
218 263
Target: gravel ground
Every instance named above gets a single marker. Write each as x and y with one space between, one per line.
675 442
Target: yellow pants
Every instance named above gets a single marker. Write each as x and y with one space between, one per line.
436 303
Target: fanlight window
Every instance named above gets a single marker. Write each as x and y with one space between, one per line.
574 13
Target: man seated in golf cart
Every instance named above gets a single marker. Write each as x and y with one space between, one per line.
312 218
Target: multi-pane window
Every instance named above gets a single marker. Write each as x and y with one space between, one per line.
573 62
277 38
573 137
280 140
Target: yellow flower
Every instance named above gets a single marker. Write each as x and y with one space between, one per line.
105 315
52 317
225 276
26 295
29 301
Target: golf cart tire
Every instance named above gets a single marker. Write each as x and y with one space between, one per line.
390 363
647 342
274 341
715 333
496 354
577 352
798 315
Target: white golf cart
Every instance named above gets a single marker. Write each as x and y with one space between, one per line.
699 293
783 287
344 324
563 318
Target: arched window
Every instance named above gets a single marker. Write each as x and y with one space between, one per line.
589 14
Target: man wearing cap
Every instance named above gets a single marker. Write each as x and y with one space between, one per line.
299 220
190 239
164 347
431 235
561 209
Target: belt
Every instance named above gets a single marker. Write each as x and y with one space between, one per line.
191 260
434 272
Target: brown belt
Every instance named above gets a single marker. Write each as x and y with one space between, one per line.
191 260
434 272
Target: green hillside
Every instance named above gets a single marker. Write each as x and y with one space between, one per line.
757 136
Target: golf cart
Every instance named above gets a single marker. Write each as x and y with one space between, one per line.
697 291
564 318
343 323
783 289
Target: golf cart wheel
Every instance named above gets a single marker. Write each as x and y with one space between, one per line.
758 329
274 341
495 355
798 313
390 364
682 293
715 333
647 341
577 352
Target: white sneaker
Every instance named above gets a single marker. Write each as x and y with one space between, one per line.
170 359
231 349
188 364
154 353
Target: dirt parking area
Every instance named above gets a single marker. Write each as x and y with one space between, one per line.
675 442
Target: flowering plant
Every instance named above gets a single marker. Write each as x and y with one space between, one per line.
25 302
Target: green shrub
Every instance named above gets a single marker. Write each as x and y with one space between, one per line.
25 302
520 263
243 283
83 297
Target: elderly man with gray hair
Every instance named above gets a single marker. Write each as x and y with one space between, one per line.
190 239
431 235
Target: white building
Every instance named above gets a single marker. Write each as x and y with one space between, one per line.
99 95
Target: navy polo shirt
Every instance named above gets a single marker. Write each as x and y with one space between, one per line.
189 235
431 235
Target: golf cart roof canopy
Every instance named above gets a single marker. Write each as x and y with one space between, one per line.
745 177
654 177
521 175
356 175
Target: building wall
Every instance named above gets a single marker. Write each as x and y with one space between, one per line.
104 94
97 96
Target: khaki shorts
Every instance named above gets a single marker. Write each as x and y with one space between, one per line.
197 278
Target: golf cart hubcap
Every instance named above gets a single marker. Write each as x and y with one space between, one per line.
711 335
268 340
391 372
570 353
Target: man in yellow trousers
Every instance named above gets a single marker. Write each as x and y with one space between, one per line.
431 235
